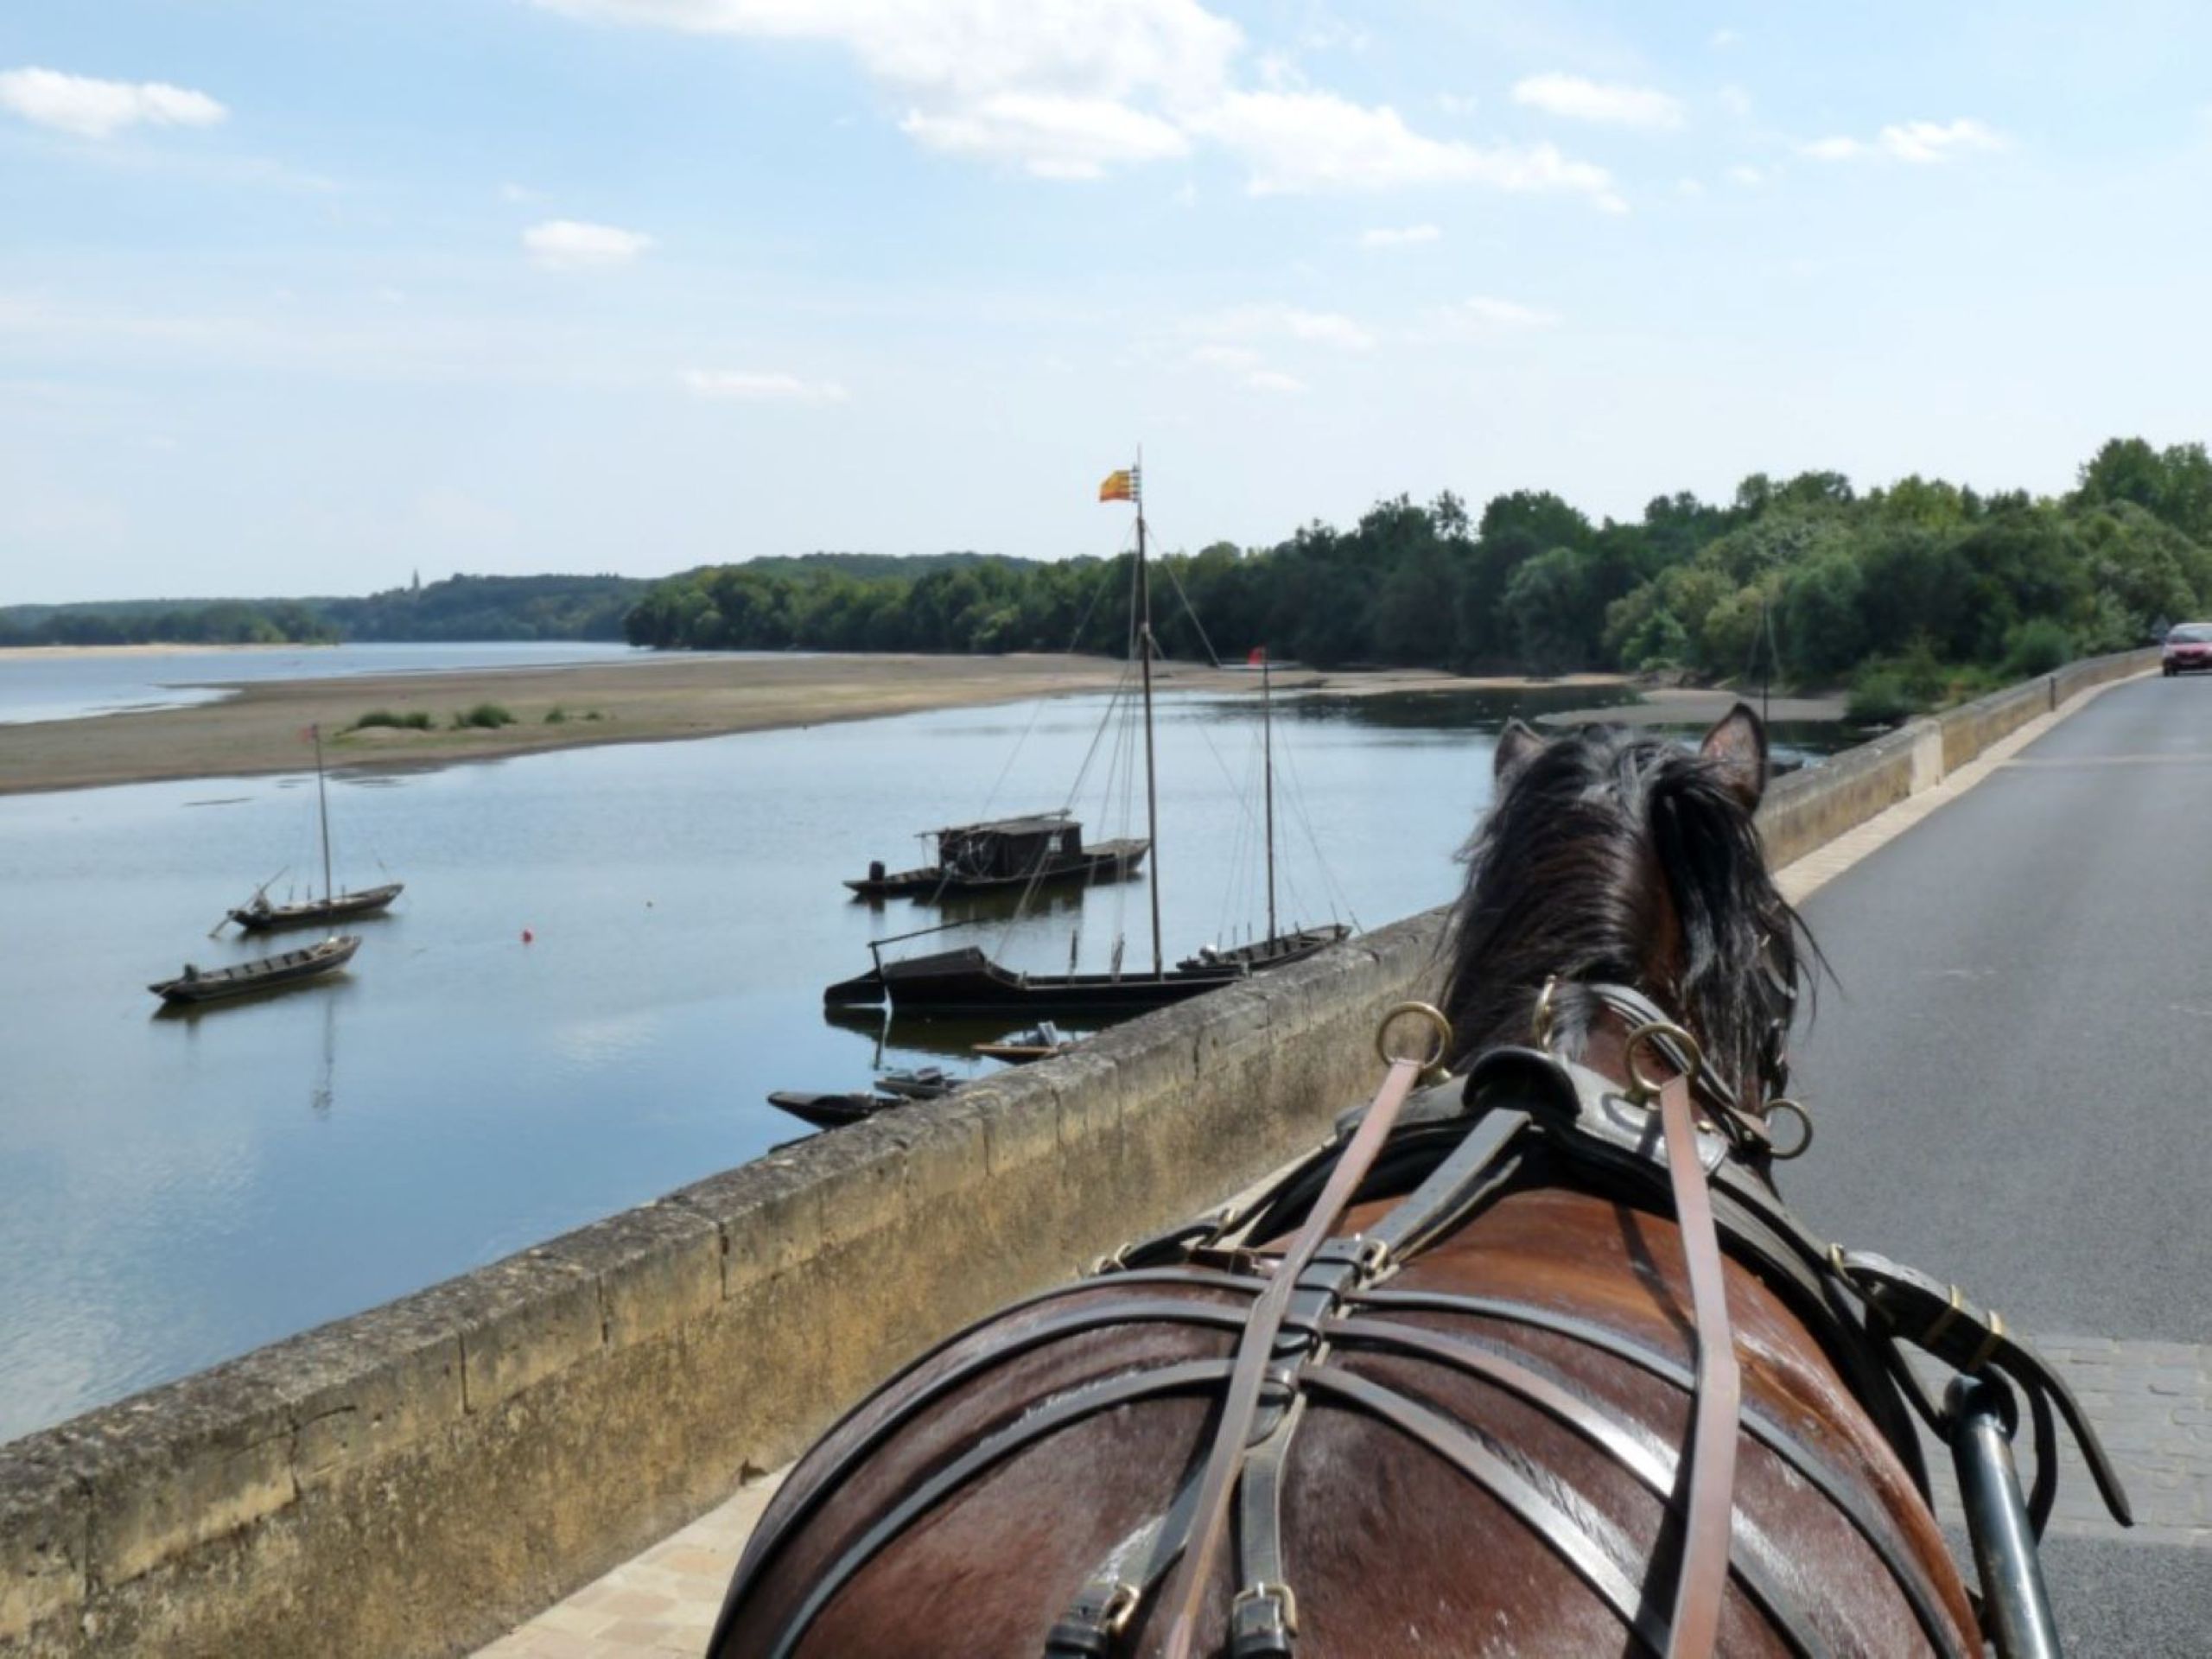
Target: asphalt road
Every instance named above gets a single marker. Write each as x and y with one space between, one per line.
2012 1079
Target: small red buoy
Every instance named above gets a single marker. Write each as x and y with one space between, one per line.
527 936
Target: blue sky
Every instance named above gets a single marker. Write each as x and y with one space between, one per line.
301 297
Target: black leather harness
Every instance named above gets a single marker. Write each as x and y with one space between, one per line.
1521 1117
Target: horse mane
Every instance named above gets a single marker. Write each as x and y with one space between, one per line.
1613 857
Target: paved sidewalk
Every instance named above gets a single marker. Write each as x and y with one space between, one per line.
662 1602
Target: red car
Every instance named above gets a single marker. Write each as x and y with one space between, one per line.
2188 648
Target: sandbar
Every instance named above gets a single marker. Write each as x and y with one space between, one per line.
258 728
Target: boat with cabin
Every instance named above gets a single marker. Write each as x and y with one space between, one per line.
1005 853
967 980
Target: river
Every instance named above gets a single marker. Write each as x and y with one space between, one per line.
604 959
67 684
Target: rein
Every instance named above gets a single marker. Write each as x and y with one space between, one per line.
1256 1347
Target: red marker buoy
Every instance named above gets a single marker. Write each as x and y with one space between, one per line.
527 936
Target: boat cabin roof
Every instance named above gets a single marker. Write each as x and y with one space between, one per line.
1033 824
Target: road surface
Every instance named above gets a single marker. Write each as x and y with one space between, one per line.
2012 1079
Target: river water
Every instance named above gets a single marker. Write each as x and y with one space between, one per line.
174 1191
40 684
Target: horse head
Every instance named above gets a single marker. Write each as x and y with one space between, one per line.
1612 857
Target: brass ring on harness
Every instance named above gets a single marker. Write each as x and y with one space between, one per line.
1432 1067
1796 1108
1640 1088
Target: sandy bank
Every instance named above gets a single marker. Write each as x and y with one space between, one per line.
1686 705
653 699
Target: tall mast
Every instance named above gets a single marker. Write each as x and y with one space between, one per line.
1151 776
322 811
1267 747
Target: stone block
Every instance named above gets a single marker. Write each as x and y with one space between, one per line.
519 1321
657 1267
178 1466
361 1388
45 1533
769 1212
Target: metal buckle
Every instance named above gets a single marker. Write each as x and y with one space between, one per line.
1121 1607
1996 1329
1280 1594
1941 1322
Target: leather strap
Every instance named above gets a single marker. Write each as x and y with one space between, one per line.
1703 1578
1232 1433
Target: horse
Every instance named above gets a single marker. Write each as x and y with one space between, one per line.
1435 1392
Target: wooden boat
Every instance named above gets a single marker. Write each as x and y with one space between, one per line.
261 917
1003 853
967 982
1270 952
831 1111
923 1083
1044 1042
257 915
288 968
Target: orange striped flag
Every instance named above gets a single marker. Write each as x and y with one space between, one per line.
1119 486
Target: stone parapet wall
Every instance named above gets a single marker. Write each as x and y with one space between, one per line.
416 1478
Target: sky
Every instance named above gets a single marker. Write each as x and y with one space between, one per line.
301 297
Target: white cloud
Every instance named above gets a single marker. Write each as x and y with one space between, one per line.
1723 39
1932 141
1483 315
1299 143
1066 89
100 109
1917 142
1402 235
520 193
1746 174
1612 105
1273 322
1051 137
743 385
1457 103
1688 187
573 245
1246 366
1735 101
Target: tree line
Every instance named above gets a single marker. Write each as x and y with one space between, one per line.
213 622
460 607
1909 592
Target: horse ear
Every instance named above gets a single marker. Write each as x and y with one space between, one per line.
1518 744
1736 747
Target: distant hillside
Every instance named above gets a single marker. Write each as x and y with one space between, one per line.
869 567
167 622
460 607
491 607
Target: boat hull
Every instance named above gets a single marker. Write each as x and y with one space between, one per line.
346 906
832 1112
966 982
269 974
1108 861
